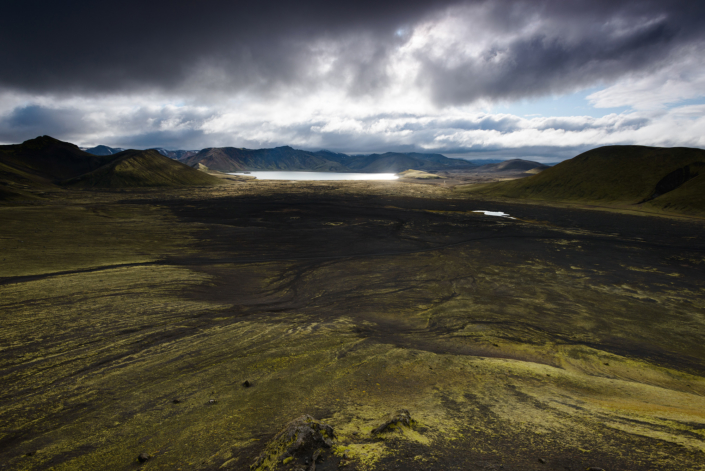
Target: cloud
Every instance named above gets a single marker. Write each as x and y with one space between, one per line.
31 121
453 52
683 79
189 47
353 76
454 131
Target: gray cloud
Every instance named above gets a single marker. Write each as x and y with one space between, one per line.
351 76
28 122
580 124
570 49
220 47
87 46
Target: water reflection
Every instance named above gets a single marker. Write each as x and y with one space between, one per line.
494 213
276 175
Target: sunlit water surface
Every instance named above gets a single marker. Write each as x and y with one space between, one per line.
494 213
273 175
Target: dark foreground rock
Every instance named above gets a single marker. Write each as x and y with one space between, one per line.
300 443
394 422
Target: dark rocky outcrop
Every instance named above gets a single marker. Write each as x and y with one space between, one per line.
302 441
394 422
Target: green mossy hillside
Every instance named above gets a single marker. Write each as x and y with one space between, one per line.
661 178
47 163
48 159
137 168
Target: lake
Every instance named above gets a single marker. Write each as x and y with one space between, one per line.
276 175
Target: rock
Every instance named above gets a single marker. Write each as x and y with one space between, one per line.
143 457
246 384
542 461
301 438
395 421
176 401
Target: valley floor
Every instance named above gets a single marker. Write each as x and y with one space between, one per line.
562 339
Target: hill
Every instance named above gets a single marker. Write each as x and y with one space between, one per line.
513 165
175 154
172 154
418 175
45 162
671 179
104 150
231 159
393 162
48 160
142 168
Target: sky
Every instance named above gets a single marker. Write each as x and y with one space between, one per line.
543 80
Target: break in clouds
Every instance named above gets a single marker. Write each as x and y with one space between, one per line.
353 76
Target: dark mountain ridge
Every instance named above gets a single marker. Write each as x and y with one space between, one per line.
50 159
175 154
232 159
103 150
172 154
45 162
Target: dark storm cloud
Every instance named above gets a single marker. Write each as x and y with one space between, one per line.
80 46
576 44
219 47
28 122
166 139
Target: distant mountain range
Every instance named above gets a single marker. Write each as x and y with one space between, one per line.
47 163
103 150
172 154
234 159
175 154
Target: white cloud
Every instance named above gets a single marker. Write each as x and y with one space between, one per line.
359 91
683 79
359 127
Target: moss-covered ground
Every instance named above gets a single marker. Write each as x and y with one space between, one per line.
560 340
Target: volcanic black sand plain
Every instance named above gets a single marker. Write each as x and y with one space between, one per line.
188 327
